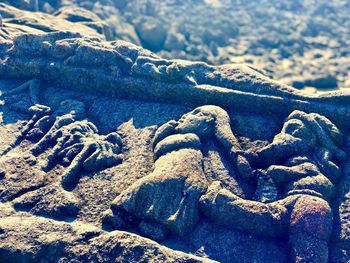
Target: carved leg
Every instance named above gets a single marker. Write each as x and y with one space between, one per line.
310 229
306 220
225 208
39 113
282 175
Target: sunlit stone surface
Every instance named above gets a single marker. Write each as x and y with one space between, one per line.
113 153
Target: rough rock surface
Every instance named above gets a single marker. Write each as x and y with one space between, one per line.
110 153
17 20
40 239
304 43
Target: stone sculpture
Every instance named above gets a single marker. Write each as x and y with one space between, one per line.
306 156
69 60
189 183
75 141
169 195
302 163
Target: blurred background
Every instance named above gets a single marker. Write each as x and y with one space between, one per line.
304 43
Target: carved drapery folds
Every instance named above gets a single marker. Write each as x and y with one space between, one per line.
301 165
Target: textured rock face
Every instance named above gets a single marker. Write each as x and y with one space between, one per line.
168 196
75 243
20 21
302 43
107 148
68 60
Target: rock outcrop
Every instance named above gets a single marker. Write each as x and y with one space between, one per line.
303 43
110 152
26 238
68 60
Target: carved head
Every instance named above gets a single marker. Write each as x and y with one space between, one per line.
198 122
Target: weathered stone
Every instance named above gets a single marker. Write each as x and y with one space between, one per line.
230 210
51 201
169 195
164 80
152 33
43 239
17 21
153 231
76 14
69 113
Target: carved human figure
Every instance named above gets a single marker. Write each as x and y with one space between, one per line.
209 122
305 155
169 195
74 141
